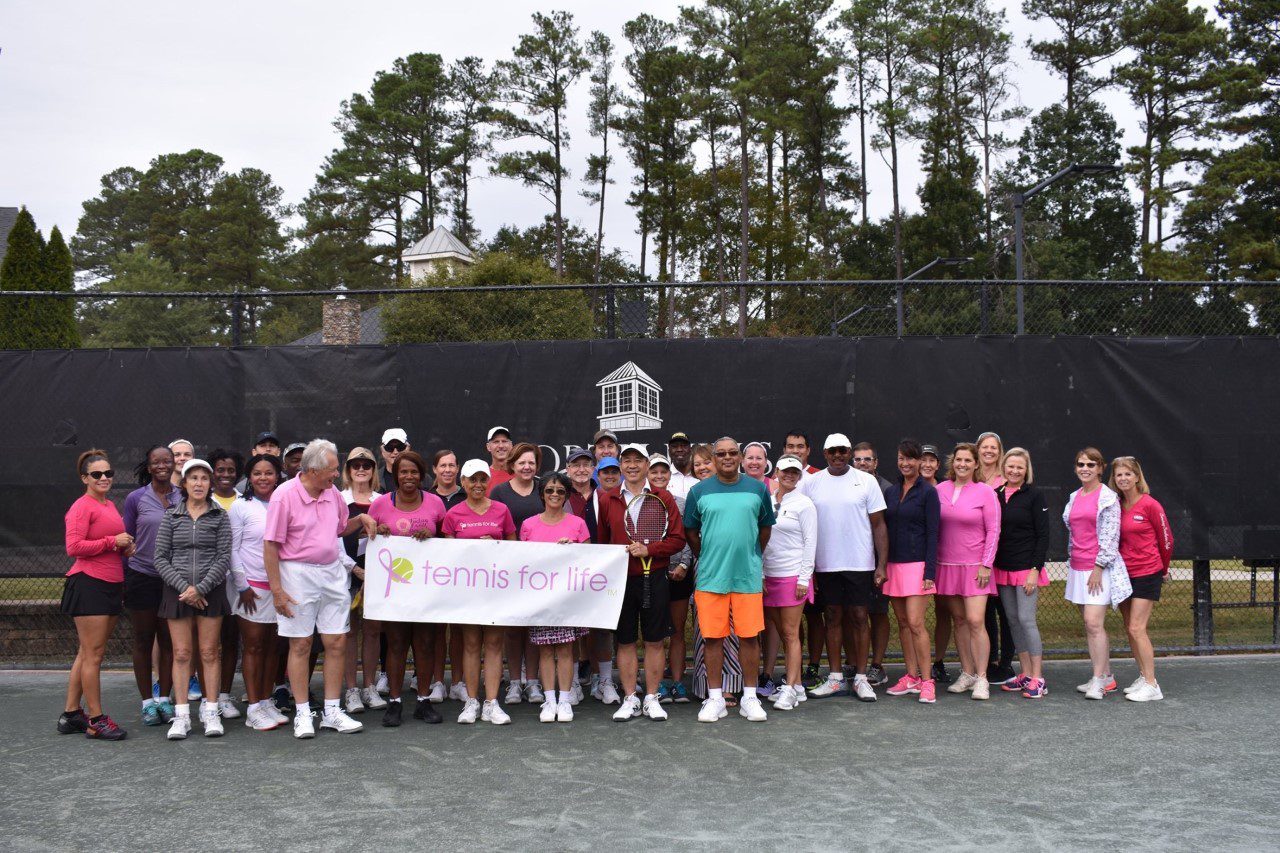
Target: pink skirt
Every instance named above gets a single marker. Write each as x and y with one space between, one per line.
904 579
955 579
781 592
1004 578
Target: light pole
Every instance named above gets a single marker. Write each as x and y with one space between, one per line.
1019 202
936 262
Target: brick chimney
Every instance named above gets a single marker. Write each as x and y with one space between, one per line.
340 323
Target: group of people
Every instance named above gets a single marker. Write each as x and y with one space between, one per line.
262 561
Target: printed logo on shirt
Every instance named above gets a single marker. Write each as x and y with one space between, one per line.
1137 517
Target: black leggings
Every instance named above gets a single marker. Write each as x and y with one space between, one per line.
1001 637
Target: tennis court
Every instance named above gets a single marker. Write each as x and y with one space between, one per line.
1195 771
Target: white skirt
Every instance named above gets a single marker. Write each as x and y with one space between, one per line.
1078 588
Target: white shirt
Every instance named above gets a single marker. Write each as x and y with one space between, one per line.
794 540
680 484
248 523
845 504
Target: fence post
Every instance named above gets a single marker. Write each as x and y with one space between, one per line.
610 313
1202 606
237 309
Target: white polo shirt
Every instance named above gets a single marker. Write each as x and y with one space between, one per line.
844 504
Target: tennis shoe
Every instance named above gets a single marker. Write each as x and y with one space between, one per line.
104 728
227 708
470 708
749 706
630 708
514 695
712 710
533 692
179 728
73 722
436 695
337 720
1108 684
351 701
211 719
151 714
928 691
1148 692
492 713
304 724
833 686
547 714
906 684
564 713
653 708
1137 682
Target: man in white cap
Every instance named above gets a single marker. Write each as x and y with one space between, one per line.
498 443
853 542
394 442
309 586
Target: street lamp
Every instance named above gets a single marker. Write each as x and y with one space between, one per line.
936 262
1019 201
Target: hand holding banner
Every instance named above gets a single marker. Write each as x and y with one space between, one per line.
489 582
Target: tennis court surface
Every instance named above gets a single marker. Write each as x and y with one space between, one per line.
1196 771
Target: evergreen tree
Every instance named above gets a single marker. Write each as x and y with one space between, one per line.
1088 36
473 90
56 318
545 64
23 268
603 117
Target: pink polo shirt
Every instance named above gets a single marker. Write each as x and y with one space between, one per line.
307 529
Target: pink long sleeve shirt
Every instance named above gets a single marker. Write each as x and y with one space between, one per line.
969 530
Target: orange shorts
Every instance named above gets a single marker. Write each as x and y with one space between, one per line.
718 611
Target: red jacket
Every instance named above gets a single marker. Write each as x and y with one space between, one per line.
611 529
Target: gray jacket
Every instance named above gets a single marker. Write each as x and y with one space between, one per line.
194 552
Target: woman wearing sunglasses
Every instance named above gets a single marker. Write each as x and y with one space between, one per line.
363 641
93 593
1092 517
556 660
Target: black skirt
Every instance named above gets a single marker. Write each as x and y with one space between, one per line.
83 595
172 608
142 592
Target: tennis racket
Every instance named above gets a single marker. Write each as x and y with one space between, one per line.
645 522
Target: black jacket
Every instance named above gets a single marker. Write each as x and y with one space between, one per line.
1024 530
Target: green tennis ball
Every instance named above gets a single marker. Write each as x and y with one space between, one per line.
402 569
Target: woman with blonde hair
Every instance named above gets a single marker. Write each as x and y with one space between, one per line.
1092 518
991 472
1146 546
1019 567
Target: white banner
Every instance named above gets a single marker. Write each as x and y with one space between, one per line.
487 582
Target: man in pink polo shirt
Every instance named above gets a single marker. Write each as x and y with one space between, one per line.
306 519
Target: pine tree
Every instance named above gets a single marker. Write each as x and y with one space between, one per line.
603 117
23 268
57 323
473 89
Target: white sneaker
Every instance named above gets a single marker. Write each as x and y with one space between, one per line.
514 694
575 694
1084 688
533 690
609 693
981 689
785 699
304 724
352 702
179 728
381 685
338 720
373 699
749 706
547 714
712 710
492 713
436 696
458 692
630 708
801 694
271 712
470 707
227 708
259 720
833 685
211 720
863 690
653 708
963 683
1137 682
1148 692
564 713
1095 689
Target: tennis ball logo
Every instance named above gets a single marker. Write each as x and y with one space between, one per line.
402 570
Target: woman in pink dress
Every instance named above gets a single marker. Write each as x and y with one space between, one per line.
968 534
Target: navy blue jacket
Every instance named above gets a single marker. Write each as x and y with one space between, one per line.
913 525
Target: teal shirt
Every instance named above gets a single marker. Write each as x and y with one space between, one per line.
729 518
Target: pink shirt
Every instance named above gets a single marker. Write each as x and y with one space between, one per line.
462 522
969 530
1084 531
307 529
92 528
427 516
1146 542
570 527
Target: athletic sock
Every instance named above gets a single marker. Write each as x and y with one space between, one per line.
553 696
303 707
748 691
715 693
331 706
606 670
222 696
147 703
396 700
183 710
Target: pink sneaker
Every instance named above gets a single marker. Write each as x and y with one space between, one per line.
1034 689
1015 684
907 684
928 693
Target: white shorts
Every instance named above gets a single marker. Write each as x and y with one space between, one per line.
322 599
1078 588
264 611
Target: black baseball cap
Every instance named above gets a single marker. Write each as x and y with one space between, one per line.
264 437
579 453
677 437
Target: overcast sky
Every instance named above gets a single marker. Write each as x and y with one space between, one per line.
86 87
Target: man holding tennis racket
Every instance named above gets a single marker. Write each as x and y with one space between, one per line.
647 521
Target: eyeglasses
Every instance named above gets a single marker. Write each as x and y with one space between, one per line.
1086 464
394 446
98 475
722 454
864 459
360 464
556 491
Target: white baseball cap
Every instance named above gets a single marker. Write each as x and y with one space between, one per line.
475 466
395 434
495 430
658 459
837 439
789 463
633 448
196 463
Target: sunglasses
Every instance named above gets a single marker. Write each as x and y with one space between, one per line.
394 447
1086 464
361 465
723 454
554 491
98 475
